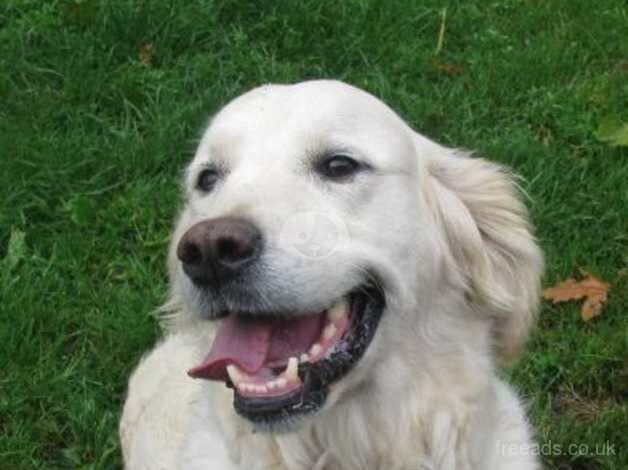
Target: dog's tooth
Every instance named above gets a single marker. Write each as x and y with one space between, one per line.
234 374
261 388
329 331
304 357
272 385
291 373
281 382
340 310
315 350
244 387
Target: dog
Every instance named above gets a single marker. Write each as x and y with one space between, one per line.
343 291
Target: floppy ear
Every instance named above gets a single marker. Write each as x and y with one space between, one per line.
489 242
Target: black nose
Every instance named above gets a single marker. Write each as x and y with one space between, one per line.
218 249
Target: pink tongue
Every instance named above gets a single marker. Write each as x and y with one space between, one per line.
294 337
252 343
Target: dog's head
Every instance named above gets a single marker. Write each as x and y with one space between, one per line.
336 250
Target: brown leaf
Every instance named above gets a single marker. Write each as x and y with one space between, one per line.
448 68
593 290
146 53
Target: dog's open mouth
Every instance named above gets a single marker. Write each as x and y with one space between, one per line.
282 365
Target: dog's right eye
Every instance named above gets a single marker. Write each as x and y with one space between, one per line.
207 179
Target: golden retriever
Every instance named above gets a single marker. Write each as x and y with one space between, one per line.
342 291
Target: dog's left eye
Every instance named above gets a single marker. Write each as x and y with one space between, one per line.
338 167
207 179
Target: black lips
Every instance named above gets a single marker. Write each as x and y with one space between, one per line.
277 413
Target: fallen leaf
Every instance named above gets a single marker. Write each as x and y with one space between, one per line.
79 13
448 68
146 53
613 132
593 290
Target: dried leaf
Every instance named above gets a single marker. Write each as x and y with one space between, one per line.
448 68
79 13
146 53
593 290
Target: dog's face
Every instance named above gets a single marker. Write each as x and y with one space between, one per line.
313 235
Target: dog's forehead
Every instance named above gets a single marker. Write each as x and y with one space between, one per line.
306 115
310 101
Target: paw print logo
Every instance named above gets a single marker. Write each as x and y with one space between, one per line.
313 235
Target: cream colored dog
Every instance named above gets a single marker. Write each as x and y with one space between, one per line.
342 291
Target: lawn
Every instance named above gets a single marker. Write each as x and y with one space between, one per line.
100 107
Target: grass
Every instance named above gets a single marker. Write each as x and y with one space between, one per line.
100 104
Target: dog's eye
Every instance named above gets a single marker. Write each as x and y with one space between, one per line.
338 167
207 179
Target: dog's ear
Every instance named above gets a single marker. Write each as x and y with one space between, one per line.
489 241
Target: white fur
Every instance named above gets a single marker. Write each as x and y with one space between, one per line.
451 242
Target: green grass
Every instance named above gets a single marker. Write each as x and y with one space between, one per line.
92 143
